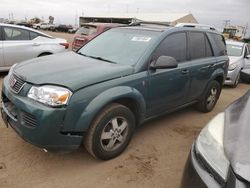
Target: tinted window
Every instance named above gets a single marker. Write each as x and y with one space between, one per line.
33 35
15 34
197 45
220 44
175 46
209 52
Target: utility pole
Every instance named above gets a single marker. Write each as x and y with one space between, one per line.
226 23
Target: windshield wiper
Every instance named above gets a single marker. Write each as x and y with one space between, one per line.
99 58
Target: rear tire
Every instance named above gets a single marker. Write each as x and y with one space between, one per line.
210 98
110 132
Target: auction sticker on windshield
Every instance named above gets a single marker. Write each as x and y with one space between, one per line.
141 39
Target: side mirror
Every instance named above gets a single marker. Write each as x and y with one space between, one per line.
164 62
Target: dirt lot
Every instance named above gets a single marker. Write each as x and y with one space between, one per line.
154 158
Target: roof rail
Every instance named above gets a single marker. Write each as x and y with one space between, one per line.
199 26
138 23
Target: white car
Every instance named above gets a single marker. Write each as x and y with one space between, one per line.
239 55
19 43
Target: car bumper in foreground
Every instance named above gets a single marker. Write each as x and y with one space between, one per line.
36 123
196 175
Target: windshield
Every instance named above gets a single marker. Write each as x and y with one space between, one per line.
87 30
122 46
234 50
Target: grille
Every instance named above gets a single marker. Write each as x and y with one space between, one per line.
29 120
16 83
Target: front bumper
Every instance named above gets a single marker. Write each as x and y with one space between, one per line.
36 123
196 175
232 76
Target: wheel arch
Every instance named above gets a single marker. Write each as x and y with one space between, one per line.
124 95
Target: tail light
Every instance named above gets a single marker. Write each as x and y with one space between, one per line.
66 45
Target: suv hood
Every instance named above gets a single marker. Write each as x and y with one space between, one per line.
70 70
236 136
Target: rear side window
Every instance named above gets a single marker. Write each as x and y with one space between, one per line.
15 34
220 44
33 35
199 46
175 46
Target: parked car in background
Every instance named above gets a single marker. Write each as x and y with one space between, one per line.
238 53
117 81
19 43
62 28
89 31
73 30
220 156
47 26
24 24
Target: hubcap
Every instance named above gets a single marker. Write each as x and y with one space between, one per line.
212 97
114 133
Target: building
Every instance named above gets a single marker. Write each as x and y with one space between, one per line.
126 18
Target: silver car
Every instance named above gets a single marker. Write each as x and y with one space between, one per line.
239 55
19 43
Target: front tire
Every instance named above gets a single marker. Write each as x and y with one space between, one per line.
110 132
210 98
237 80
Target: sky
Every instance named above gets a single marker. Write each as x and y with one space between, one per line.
206 12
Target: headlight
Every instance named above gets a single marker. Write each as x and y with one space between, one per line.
232 66
11 68
50 95
209 145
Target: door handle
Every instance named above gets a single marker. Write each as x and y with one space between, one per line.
35 44
185 71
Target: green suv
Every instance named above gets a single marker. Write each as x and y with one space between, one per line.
97 96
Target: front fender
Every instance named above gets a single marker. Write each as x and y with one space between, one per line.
105 98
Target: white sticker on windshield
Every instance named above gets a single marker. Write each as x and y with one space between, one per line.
141 39
237 47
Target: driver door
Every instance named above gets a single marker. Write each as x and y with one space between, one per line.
168 88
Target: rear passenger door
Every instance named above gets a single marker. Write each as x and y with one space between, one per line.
203 62
168 87
17 46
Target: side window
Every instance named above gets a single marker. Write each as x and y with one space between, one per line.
175 46
220 44
247 52
33 35
15 34
209 52
199 46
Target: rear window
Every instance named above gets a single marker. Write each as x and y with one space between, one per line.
87 30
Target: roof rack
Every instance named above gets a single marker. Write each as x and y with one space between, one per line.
199 26
138 23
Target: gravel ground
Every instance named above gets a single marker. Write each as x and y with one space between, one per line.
155 157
